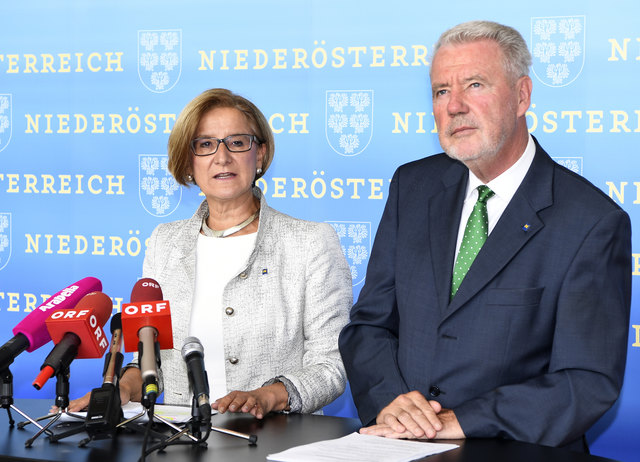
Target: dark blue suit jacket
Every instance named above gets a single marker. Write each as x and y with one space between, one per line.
533 345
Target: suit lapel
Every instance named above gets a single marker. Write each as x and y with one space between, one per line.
517 225
445 208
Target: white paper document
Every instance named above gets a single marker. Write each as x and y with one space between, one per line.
363 448
175 414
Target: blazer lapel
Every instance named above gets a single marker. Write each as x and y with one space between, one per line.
183 273
445 208
518 224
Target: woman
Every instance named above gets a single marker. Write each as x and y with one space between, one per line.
266 294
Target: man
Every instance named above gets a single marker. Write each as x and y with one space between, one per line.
522 336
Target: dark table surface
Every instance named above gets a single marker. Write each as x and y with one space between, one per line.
275 433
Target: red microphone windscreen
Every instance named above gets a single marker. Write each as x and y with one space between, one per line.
146 290
147 309
86 321
33 325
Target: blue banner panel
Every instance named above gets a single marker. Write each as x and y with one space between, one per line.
89 92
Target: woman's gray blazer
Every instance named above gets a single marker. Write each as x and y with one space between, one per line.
288 306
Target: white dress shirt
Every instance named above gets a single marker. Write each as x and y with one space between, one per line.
504 186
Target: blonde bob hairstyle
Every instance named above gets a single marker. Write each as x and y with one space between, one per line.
184 130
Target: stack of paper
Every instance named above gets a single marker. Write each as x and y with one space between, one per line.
363 448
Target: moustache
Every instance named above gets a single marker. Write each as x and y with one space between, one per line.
456 124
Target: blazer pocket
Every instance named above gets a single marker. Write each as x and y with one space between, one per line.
515 297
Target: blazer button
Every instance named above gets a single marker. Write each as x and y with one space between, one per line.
434 391
233 360
243 275
228 311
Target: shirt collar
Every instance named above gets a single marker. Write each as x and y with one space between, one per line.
506 184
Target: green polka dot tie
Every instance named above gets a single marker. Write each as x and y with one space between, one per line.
475 233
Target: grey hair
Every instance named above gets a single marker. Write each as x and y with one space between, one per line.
517 58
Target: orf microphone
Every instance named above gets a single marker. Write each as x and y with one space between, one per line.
76 333
193 354
146 324
31 333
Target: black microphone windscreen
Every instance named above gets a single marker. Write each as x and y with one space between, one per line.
116 322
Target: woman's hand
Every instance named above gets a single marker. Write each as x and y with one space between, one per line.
76 405
82 403
130 390
257 402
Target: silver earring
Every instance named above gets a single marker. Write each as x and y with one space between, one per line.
258 171
189 177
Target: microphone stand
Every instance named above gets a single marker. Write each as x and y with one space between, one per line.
104 411
193 429
6 398
62 402
101 429
195 424
110 411
197 421
129 423
149 394
252 439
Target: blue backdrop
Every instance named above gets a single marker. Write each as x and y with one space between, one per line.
90 90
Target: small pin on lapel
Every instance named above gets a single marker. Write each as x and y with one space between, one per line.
265 271
526 227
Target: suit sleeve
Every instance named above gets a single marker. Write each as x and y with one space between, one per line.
588 354
369 343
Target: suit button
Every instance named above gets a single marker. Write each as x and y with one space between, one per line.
233 360
434 391
228 311
243 275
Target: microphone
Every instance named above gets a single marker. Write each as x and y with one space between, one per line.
31 333
113 360
146 324
105 411
76 333
193 355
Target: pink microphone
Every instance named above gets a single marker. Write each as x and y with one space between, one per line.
31 333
